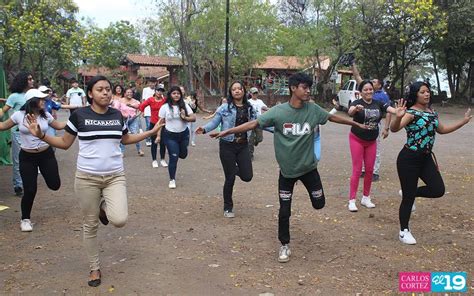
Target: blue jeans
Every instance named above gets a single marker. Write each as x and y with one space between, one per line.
147 124
177 144
17 182
133 126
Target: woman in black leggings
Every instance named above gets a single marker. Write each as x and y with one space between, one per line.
34 154
416 159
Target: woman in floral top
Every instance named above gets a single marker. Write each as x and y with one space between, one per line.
416 159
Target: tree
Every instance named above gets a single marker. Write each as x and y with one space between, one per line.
107 47
454 51
195 29
39 36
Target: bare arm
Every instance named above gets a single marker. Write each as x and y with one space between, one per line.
401 117
4 110
443 129
58 125
354 109
7 124
356 73
386 128
189 118
238 129
132 139
342 120
84 101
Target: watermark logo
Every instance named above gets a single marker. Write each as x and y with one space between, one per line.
414 282
448 282
438 282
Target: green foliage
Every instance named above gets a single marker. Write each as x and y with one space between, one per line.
107 47
38 35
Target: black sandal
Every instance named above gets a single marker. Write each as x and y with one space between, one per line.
96 282
102 215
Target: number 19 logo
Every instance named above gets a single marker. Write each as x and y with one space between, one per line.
448 282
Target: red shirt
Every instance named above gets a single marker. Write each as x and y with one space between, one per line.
154 106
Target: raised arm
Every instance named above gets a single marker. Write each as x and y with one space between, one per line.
7 124
58 125
63 142
443 129
356 73
238 129
342 120
134 138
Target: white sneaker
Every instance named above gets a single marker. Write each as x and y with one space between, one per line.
25 225
352 205
193 144
148 144
154 164
163 163
172 184
229 214
413 208
365 201
284 255
406 237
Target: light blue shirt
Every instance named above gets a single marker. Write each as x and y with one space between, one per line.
15 101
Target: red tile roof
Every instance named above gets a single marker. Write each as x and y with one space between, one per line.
291 63
146 60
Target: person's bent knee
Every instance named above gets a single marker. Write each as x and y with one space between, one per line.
317 199
55 187
118 221
247 178
438 192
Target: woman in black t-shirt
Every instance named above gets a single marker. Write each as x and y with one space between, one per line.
363 143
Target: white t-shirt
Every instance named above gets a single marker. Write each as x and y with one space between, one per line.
174 123
147 92
28 141
257 105
75 96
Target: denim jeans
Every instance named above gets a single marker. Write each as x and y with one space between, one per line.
17 182
148 127
177 145
133 126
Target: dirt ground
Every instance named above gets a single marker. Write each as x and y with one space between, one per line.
176 242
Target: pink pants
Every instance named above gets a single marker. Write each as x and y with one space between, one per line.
361 151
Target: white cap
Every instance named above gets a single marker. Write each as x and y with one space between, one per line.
43 88
34 93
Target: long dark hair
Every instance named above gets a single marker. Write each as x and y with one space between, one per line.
20 82
91 84
413 93
245 101
32 106
181 103
114 92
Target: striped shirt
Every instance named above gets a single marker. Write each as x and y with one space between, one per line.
99 140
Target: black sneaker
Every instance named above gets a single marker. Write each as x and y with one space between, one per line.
375 177
18 191
362 175
102 215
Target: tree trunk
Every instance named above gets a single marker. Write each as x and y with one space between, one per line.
435 67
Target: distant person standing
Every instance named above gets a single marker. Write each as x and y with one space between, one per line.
381 96
148 92
259 106
22 82
75 96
